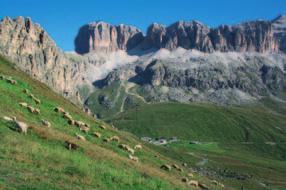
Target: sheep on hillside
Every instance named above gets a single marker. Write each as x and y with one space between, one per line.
96 134
130 150
79 123
67 116
36 111
138 147
80 137
71 122
127 148
46 123
23 104
190 175
194 183
185 180
26 91
71 146
59 110
84 129
106 139
11 81
203 186
6 118
31 109
102 127
38 101
134 158
115 138
2 77
166 167
21 126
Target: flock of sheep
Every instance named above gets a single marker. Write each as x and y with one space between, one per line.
83 127
22 127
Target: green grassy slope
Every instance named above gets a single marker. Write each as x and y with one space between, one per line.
40 160
233 140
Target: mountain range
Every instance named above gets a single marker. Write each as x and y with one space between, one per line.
183 62
206 107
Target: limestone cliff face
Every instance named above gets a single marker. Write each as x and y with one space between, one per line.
254 36
30 47
104 37
279 30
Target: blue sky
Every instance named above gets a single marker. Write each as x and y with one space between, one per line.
62 18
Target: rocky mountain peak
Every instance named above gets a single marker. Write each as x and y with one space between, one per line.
104 37
28 45
252 36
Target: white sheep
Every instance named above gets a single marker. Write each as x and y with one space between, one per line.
21 126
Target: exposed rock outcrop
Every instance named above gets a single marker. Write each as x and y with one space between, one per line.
279 30
30 47
253 36
104 37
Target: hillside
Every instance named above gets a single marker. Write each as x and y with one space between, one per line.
243 145
41 160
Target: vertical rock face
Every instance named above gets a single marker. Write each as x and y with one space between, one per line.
188 35
279 30
250 36
254 36
156 36
103 37
30 47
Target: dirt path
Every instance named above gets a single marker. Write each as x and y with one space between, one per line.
127 87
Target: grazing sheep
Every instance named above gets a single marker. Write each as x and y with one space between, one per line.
215 182
106 140
6 118
190 175
166 167
177 167
36 111
71 146
203 186
31 96
84 129
46 123
185 180
138 147
38 101
11 81
31 109
23 104
67 116
102 127
130 150
221 185
194 183
96 134
71 122
79 123
26 91
21 126
133 158
127 148
59 110
185 164
122 146
115 138
87 110
80 137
